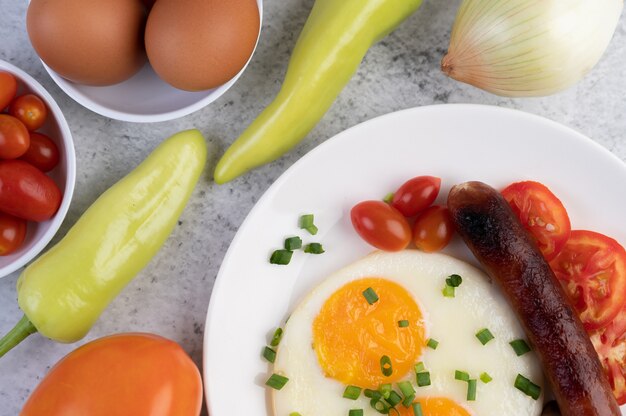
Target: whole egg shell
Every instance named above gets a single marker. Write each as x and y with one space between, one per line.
197 45
91 42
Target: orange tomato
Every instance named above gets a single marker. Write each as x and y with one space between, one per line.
120 375
433 229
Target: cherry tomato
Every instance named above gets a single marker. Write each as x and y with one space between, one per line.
433 229
541 213
381 225
592 270
14 137
30 110
42 152
610 344
416 195
124 374
8 89
26 192
12 233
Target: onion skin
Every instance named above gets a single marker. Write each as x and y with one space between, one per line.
529 48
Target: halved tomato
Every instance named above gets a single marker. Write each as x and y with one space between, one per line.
592 269
610 344
541 213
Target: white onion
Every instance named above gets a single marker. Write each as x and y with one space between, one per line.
529 47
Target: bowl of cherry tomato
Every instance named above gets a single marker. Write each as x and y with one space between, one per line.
37 168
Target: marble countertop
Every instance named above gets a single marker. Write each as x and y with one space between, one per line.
171 295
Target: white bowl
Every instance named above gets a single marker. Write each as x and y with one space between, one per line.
145 97
64 174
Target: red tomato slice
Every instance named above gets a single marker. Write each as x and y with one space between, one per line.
592 270
541 213
610 344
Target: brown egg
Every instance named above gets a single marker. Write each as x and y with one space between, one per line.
200 44
93 42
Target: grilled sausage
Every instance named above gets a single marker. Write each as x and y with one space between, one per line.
493 233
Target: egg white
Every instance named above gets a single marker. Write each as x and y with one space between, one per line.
451 321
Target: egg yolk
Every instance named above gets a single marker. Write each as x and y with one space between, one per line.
436 406
350 336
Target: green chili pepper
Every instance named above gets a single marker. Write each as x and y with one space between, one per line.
331 46
65 290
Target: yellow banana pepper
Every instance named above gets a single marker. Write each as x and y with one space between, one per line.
65 290
329 50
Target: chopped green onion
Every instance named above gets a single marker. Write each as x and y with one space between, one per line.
395 411
385 365
454 280
293 243
527 387
312 230
352 392
282 257
534 391
448 291
461 375
388 198
403 323
393 399
355 412
417 409
370 296
419 367
519 346
484 336
406 388
408 400
371 394
269 354
380 406
385 390
521 383
306 223
423 379
314 248
485 378
306 220
276 381
471 389
431 343
278 335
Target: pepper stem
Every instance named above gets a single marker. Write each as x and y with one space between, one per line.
19 332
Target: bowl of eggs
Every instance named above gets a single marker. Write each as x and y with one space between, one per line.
36 185
141 60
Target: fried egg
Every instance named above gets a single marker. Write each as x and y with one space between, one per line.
392 305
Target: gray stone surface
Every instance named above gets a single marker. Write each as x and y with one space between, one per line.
171 295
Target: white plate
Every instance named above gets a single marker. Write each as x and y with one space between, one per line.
455 142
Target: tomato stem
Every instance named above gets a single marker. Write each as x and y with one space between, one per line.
23 329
